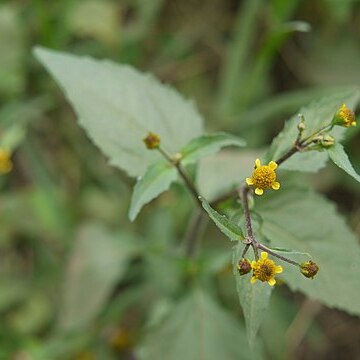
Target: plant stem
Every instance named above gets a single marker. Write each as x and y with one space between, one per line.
198 223
250 234
289 153
273 253
188 182
245 250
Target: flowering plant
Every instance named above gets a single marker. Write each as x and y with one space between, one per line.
156 136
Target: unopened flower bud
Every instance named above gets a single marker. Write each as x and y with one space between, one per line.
152 141
176 158
309 269
344 117
244 266
327 141
301 126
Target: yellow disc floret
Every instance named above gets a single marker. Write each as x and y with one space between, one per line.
265 269
263 177
5 161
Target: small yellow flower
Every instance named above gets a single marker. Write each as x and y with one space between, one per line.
5 161
152 141
264 177
344 117
265 269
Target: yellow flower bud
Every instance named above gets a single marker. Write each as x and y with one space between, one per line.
327 141
152 141
244 266
309 269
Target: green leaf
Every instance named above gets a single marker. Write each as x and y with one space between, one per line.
339 157
196 329
254 298
208 144
156 180
303 220
217 174
317 114
288 251
97 261
231 230
118 106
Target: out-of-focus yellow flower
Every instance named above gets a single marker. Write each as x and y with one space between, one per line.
265 269
344 117
263 177
121 339
5 161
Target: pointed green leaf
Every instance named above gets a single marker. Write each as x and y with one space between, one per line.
339 157
117 106
156 180
208 144
231 230
254 298
317 114
197 328
303 220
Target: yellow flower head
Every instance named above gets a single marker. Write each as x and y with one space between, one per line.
152 141
265 269
264 177
344 117
5 161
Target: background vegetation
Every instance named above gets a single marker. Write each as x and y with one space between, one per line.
69 288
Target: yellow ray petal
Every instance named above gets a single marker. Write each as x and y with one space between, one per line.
259 191
257 163
253 264
272 282
264 255
272 165
278 269
276 185
253 279
249 181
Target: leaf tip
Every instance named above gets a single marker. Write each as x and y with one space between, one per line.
39 51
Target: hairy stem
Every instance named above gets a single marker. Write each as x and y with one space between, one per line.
273 253
250 234
188 182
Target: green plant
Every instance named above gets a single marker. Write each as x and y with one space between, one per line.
148 130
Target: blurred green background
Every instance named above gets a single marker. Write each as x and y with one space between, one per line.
77 279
